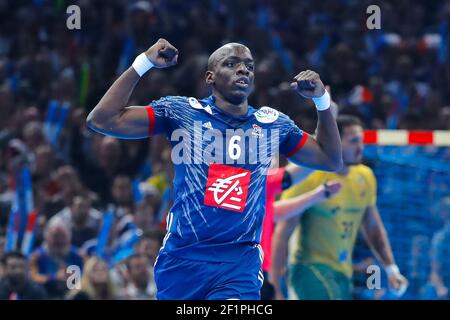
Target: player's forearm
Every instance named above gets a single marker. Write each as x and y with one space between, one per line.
379 243
328 138
279 262
285 209
115 100
280 240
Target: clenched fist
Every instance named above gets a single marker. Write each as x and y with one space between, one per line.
308 84
162 54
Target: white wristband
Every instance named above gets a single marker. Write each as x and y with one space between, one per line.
392 269
323 102
142 64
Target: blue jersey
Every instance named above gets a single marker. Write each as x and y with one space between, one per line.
221 162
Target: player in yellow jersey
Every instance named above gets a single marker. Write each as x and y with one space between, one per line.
322 267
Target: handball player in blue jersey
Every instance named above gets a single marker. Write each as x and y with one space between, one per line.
222 149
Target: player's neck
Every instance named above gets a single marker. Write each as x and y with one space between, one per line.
231 108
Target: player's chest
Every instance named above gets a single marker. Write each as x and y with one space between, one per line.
350 203
211 139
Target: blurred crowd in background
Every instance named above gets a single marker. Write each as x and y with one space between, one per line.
100 203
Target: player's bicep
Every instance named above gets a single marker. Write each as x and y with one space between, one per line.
133 122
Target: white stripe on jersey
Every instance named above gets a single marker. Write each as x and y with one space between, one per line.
169 220
261 253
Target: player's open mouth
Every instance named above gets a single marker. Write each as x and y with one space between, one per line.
242 82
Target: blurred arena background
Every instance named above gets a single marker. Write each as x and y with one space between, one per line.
113 195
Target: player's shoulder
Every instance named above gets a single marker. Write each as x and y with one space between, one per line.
269 115
321 176
187 104
365 171
170 100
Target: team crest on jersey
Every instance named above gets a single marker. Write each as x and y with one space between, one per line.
197 105
266 115
227 187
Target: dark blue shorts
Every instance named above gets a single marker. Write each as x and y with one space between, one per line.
181 279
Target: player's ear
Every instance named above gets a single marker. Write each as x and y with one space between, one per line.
209 77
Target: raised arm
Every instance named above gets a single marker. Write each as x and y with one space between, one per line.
324 151
111 116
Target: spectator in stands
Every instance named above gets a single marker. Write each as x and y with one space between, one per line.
142 221
95 283
393 78
67 184
162 170
101 160
99 175
6 199
2 254
15 283
149 245
122 196
50 261
83 220
440 253
419 265
141 285
33 135
44 165
150 196
145 217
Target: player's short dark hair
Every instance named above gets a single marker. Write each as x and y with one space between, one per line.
346 120
12 255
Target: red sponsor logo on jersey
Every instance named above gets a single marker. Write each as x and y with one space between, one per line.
227 187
